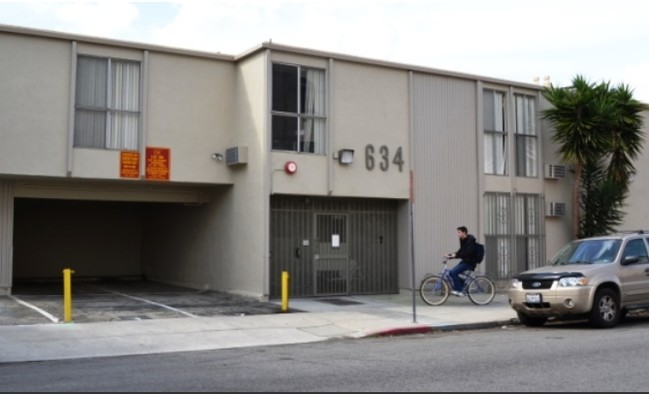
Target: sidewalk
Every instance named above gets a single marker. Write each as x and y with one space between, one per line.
307 320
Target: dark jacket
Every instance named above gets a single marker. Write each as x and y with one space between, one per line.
467 250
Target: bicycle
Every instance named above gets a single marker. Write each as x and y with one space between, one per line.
436 288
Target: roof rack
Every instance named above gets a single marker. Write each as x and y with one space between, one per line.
633 231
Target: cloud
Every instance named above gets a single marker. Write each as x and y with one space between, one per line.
508 39
635 75
105 19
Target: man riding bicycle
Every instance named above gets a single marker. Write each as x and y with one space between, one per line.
466 254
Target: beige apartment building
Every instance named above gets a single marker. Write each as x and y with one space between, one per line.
213 171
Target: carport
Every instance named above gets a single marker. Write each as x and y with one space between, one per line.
101 230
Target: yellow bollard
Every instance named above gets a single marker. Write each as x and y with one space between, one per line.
284 291
67 295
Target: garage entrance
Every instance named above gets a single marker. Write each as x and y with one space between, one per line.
100 229
94 238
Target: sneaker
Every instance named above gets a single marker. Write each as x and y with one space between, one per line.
457 293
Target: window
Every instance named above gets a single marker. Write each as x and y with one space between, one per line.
495 134
498 244
528 209
107 108
526 136
513 231
298 108
636 248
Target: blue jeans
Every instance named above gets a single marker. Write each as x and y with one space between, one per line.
458 283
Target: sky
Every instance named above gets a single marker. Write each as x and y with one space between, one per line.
516 40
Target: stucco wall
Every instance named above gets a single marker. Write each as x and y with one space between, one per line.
34 103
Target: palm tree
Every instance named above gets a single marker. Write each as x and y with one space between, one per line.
601 200
593 122
627 135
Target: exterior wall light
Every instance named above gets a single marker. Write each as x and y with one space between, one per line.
346 156
290 167
217 156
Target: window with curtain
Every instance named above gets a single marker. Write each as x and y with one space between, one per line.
498 229
526 136
298 109
495 132
528 230
514 233
107 107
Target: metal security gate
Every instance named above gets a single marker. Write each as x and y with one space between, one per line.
333 246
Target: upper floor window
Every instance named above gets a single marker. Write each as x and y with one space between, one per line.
298 109
107 108
495 133
526 136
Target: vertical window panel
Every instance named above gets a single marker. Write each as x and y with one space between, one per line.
90 128
526 136
285 131
495 133
528 210
498 245
92 83
285 83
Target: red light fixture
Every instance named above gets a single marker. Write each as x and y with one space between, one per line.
290 167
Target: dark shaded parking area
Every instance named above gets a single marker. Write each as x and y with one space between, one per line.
119 299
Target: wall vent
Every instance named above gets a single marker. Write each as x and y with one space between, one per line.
555 171
556 209
236 155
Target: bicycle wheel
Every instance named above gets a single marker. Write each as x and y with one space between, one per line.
481 290
434 290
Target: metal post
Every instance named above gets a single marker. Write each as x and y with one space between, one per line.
67 295
412 246
284 291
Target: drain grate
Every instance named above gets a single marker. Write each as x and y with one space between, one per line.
341 302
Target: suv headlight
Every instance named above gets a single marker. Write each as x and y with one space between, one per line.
573 281
516 283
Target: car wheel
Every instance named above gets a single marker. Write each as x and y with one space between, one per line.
530 321
606 311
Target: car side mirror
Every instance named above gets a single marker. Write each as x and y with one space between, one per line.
630 260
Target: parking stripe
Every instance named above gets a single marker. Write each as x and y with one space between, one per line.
149 302
52 318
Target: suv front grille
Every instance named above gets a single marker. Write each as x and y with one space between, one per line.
537 284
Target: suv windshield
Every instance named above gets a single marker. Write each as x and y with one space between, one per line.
600 251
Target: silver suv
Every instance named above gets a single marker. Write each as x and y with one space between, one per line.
597 278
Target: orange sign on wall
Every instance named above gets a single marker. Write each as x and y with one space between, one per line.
129 164
157 163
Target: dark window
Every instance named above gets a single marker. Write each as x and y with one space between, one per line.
298 109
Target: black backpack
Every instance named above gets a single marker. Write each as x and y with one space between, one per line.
479 252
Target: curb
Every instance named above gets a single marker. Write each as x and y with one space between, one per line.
424 329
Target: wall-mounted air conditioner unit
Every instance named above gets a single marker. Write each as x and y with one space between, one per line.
236 155
555 171
556 209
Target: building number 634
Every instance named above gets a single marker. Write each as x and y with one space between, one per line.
382 157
